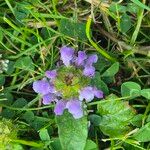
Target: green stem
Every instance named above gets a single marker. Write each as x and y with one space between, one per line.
145 114
98 48
112 144
139 21
29 143
26 109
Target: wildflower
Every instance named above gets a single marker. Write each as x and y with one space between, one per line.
3 64
69 85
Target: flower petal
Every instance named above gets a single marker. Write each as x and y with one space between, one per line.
48 98
60 106
43 87
67 54
51 74
91 59
98 93
89 71
80 59
87 94
75 108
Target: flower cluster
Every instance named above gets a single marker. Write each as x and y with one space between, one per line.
3 64
68 85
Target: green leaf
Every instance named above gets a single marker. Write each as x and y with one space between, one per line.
137 120
90 145
140 4
19 103
114 7
132 8
72 132
146 93
102 64
39 122
112 70
56 144
25 63
44 136
131 89
116 116
1 35
7 113
125 23
73 29
28 116
100 84
95 119
10 67
2 80
143 134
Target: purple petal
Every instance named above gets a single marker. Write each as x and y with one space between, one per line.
51 74
75 108
89 71
48 98
98 93
67 54
43 87
87 94
80 59
60 106
91 59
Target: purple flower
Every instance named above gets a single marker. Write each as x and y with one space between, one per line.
51 74
75 108
43 87
58 84
60 106
48 98
91 59
67 55
89 92
98 93
89 71
80 59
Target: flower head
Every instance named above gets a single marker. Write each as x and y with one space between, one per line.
69 85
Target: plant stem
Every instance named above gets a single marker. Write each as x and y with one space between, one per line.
139 21
98 48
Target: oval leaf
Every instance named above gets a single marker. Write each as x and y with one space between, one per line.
72 132
143 134
131 89
146 93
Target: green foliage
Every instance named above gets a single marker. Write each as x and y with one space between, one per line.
2 79
44 135
55 145
73 29
90 145
143 133
31 33
146 93
1 35
125 23
25 63
99 83
72 132
112 70
116 116
137 120
130 89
